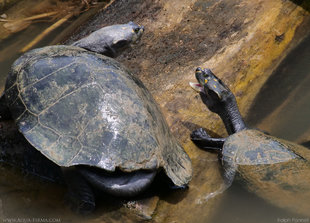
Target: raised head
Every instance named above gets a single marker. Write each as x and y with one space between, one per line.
214 93
219 99
112 40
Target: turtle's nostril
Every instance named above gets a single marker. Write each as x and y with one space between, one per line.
198 69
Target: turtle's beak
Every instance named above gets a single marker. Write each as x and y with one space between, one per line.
197 86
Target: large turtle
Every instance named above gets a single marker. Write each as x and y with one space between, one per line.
275 169
89 115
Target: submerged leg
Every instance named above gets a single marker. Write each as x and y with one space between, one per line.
80 194
4 110
202 139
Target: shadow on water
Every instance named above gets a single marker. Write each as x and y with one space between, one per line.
285 97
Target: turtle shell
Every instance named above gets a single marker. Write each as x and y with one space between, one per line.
252 147
81 108
275 169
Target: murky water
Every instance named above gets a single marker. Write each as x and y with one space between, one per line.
282 108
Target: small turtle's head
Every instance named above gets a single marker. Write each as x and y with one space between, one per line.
214 93
112 40
219 99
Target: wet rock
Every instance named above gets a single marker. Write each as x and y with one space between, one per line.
144 208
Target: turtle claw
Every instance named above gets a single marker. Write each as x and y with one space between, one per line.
204 141
199 134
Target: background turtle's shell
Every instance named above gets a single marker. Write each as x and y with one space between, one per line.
79 107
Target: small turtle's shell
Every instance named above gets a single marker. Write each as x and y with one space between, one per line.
275 169
78 107
252 147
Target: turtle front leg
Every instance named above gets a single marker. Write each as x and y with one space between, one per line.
80 194
204 141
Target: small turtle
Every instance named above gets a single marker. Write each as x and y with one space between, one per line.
89 115
275 169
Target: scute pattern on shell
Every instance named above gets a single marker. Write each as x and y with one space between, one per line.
252 147
275 169
79 107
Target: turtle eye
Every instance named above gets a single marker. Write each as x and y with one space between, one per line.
136 30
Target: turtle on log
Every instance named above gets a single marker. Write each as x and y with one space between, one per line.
275 169
90 116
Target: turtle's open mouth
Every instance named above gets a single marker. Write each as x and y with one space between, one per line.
196 86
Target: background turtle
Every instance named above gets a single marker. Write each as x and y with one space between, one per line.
275 169
89 115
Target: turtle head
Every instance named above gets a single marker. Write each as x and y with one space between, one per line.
112 40
219 99
214 93
124 35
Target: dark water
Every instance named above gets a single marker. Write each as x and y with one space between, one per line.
282 108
